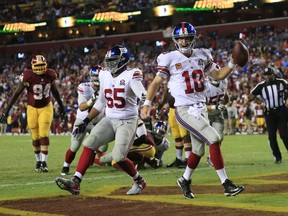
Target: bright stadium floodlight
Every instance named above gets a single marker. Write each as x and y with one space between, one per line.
65 22
164 10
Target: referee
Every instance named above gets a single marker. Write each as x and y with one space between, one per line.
273 92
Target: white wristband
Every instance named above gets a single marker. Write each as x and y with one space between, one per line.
147 103
231 65
89 103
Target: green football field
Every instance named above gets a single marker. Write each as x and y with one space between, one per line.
248 162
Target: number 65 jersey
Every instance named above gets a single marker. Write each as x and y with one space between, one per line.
120 93
185 75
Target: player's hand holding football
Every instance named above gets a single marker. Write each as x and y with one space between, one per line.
240 54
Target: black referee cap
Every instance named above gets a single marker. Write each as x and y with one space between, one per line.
268 71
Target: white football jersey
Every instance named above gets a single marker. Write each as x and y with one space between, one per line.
186 75
85 92
117 94
216 94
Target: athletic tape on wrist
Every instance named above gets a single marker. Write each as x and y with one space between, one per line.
231 65
89 102
147 103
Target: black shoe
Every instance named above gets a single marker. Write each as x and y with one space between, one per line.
177 163
185 186
172 164
278 161
38 166
140 166
160 163
181 164
154 163
230 189
44 167
72 185
65 171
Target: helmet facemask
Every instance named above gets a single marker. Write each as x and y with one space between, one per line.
116 58
94 75
186 31
160 129
39 64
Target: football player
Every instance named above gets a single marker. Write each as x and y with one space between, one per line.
216 99
39 82
180 134
148 147
185 69
87 95
120 89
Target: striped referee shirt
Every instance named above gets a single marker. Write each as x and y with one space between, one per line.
273 94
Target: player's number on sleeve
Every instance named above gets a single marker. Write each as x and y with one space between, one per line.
114 98
197 79
40 92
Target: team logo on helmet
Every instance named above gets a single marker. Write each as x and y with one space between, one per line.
116 58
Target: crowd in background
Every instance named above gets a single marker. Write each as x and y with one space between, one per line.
20 11
267 46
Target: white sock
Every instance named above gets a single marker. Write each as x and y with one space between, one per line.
43 157
188 172
222 175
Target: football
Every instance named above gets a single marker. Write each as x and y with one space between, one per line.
240 53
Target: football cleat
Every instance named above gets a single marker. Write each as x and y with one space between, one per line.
72 185
38 166
230 189
44 167
137 187
185 186
65 171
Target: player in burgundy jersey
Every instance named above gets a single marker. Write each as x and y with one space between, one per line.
39 82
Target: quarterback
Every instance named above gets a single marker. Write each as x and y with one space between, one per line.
185 70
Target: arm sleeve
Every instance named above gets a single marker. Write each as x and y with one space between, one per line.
101 101
138 88
81 98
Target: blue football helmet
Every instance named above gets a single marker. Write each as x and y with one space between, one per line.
187 31
94 74
116 58
160 129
